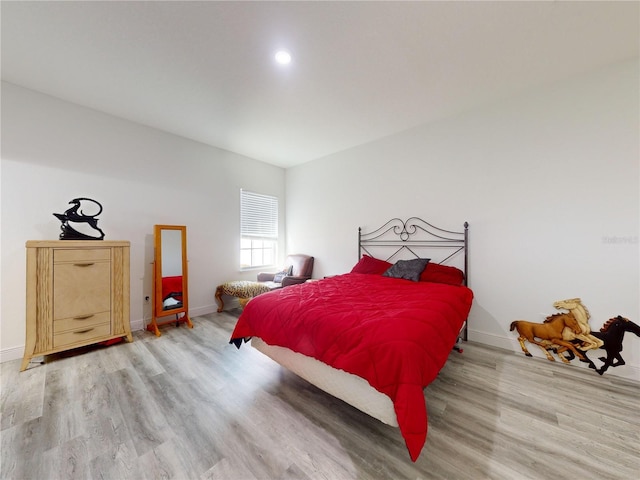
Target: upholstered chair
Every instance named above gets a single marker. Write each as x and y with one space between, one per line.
298 269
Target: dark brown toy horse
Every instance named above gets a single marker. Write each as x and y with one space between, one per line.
550 335
612 334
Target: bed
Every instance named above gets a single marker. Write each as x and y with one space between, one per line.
377 336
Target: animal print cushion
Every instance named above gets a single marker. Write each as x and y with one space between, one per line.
244 288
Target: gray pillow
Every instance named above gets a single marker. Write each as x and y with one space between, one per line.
407 269
278 277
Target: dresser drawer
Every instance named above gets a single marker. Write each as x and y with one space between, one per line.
81 335
88 255
80 290
81 322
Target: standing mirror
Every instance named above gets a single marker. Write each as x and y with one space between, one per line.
170 277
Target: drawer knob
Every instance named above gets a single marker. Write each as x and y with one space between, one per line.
83 318
83 264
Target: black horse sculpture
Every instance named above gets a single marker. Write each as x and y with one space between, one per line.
612 334
75 215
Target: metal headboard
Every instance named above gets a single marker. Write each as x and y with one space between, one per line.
416 238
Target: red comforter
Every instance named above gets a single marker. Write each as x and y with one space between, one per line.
395 333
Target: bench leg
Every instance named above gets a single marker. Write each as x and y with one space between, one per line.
219 299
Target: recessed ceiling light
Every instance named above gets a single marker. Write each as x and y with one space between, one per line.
283 57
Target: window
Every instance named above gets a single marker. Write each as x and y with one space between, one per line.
258 229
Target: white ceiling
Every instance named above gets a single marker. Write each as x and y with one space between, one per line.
360 70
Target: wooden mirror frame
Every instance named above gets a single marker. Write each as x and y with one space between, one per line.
159 310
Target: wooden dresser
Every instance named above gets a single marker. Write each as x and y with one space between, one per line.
77 294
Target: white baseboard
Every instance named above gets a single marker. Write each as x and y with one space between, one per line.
141 324
492 340
207 309
630 372
13 353
16 353
138 324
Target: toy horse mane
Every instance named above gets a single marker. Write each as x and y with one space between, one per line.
610 322
606 325
575 303
550 318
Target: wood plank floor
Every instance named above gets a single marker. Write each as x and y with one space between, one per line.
188 405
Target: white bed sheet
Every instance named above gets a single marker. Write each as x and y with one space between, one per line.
343 385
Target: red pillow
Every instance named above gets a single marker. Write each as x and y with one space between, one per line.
371 266
442 274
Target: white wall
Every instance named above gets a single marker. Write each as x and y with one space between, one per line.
548 181
53 151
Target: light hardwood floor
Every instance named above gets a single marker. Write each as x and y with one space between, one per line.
188 405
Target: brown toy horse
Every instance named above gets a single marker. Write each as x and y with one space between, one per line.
550 335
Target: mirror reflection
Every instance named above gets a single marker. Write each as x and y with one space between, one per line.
170 291
171 251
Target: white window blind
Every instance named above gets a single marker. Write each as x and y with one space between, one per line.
258 215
